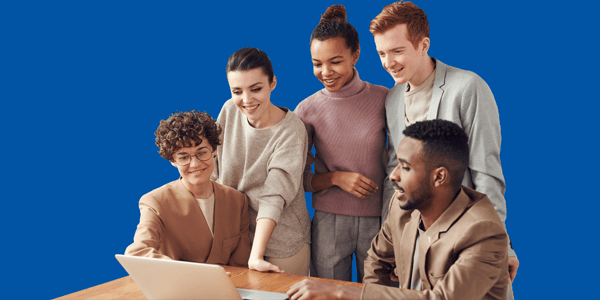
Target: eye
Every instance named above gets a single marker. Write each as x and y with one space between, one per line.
316 65
335 62
406 168
381 54
236 92
257 89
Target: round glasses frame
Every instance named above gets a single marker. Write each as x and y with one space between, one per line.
180 160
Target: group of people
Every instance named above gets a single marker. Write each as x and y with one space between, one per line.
407 180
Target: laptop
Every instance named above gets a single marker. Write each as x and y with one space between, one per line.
171 279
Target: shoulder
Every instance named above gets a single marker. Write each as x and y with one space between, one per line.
377 90
229 193
160 196
228 110
480 219
459 79
308 105
292 125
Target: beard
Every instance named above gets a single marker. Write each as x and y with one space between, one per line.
422 193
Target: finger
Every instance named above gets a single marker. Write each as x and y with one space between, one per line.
359 195
368 181
274 268
366 189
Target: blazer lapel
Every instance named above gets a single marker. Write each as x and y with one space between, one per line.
217 227
438 92
441 225
407 249
187 196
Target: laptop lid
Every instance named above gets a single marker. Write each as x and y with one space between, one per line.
171 279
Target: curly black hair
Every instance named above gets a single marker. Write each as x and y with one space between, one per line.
444 144
334 24
180 129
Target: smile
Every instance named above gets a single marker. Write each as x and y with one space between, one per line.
252 107
330 80
397 71
198 172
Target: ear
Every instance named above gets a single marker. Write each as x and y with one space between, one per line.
355 57
440 176
425 42
173 164
274 83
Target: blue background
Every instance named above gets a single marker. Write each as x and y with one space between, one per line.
84 85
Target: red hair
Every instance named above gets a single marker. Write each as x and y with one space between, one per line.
402 13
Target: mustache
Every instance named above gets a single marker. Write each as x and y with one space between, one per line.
397 187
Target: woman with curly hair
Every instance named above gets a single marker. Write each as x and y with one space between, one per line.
345 122
263 155
192 218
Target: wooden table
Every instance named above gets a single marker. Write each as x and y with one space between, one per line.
125 288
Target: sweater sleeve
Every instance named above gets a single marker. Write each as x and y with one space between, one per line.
310 158
285 169
481 120
148 234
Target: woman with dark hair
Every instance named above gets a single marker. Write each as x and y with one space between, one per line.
263 155
192 218
345 122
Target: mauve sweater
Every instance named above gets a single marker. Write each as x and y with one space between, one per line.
348 131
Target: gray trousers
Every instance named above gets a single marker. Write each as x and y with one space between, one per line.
335 238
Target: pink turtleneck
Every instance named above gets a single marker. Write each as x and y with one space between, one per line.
347 128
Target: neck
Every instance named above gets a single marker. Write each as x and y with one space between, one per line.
437 207
423 73
200 191
270 118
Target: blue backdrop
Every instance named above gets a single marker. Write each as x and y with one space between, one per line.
85 83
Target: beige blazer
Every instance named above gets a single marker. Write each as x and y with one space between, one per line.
172 226
463 254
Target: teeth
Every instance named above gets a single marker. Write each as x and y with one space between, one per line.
330 80
252 107
197 172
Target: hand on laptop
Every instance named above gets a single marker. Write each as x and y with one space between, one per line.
263 266
315 289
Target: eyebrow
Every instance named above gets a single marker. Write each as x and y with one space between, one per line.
394 49
235 87
338 56
404 161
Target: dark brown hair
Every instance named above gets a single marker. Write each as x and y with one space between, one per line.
402 13
250 58
180 129
334 24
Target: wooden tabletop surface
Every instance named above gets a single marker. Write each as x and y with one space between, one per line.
125 288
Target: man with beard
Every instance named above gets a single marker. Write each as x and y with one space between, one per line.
441 240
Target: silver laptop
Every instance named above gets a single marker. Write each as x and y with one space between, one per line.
171 279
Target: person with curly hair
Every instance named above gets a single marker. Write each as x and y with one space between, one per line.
263 155
345 122
192 218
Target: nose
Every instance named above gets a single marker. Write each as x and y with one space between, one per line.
327 70
395 175
388 62
195 161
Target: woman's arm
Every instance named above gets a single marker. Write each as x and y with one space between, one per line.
351 182
147 235
264 229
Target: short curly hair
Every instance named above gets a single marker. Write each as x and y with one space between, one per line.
444 144
180 129
334 24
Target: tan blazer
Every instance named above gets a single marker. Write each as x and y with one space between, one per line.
463 254
172 226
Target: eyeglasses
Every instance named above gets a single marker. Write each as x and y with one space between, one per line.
185 159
